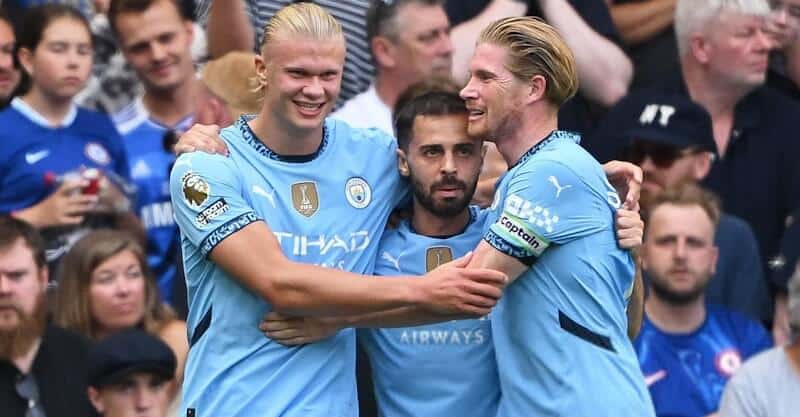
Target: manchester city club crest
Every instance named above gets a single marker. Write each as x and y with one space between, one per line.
305 198
195 189
437 255
358 192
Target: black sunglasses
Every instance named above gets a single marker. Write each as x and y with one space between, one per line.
27 389
663 156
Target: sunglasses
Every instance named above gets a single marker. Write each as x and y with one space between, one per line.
27 389
663 156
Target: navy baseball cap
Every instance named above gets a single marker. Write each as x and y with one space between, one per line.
126 352
673 120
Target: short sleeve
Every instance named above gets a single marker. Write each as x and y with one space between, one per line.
207 199
739 398
546 203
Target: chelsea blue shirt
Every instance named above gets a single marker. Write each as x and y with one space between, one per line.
327 209
149 163
686 373
560 329
33 153
443 369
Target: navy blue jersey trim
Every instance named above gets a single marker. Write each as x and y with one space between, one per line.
227 229
575 329
201 327
504 246
251 139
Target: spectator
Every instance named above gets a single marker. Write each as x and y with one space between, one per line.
230 90
673 143
9 75
646 26
768 385
106 287
42 367
46 158
604 71
155 40
410 42
724 53
687 348
130 374
236 25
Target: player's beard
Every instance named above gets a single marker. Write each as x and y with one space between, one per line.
677 298
17 341
445 208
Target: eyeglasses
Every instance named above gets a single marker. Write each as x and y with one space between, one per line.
28 389
663 156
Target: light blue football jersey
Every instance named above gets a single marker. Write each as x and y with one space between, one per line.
560 329
443 369
329 209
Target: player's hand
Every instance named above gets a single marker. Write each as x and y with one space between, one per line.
204 138
293 331
65 206
453 289
627 180
630 229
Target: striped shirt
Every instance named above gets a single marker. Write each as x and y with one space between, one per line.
351 14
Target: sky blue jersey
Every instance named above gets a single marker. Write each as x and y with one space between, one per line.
686 373
443 369
149 164
329 209
560 329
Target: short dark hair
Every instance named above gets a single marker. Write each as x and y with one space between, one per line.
38 18
118 7
12 230
382 14
4 17
427 98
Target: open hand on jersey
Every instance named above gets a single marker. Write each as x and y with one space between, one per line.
293 331
204 138
453 289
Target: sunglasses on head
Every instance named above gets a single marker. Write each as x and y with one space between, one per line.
663 156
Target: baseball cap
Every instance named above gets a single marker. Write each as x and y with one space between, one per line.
126 352
673 120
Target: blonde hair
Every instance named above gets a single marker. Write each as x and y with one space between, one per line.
72 310
688 194
693 16
302 19
535 48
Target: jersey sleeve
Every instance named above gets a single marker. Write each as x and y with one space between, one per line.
546 203
207 199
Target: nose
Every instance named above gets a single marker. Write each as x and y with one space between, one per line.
780 16
764 42
5 285
6 61
143 398
680 250
157 52
468 92
448 164
445 45
314 88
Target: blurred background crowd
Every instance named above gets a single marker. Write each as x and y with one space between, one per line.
95 93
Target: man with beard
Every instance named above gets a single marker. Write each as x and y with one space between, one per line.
42 367
688 349
9 75
672 140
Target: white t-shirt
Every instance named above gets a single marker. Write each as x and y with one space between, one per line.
767 385
366 110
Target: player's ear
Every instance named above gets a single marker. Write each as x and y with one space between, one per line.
537 88
402 162
261 71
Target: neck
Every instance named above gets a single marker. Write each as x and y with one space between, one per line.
169 107
672 318
534 127
24 362
428 224
717 96
389 88
282 139
54 110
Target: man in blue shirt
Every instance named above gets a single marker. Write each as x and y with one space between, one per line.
688 349
560 330
155 39
298 192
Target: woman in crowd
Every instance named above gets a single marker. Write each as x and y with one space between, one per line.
105 286
57 159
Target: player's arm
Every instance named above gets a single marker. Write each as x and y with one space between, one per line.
635 311
254 257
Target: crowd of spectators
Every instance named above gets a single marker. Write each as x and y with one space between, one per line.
701 94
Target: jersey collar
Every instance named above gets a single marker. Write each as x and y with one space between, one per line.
34 116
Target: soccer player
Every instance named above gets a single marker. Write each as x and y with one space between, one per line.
559 331
297 191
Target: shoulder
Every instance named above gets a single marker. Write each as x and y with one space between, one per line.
733 227
66 340
366 137
734 320
766 363
128 118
